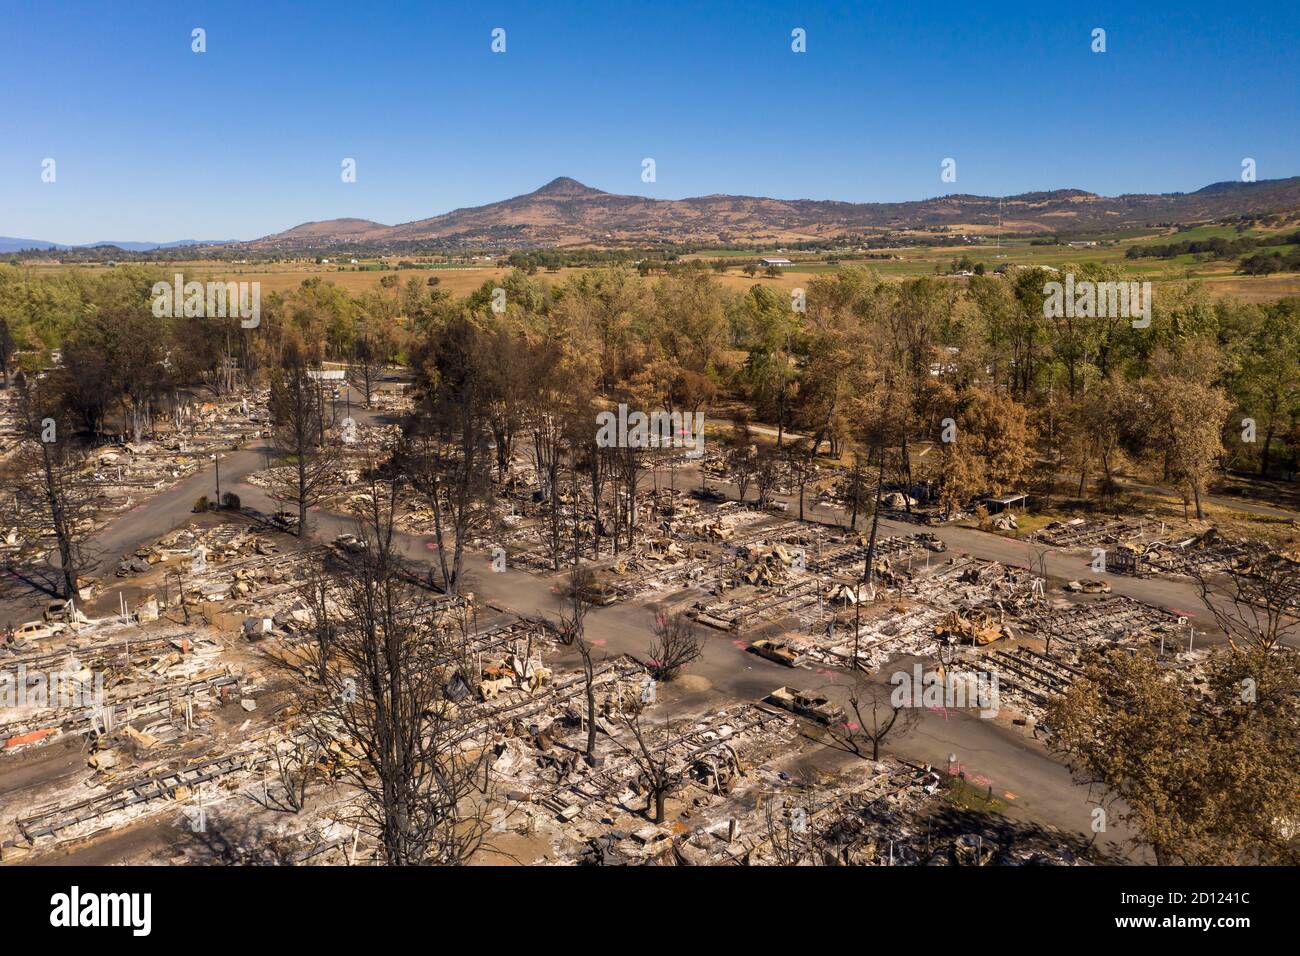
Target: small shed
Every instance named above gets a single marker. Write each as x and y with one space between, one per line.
1009 502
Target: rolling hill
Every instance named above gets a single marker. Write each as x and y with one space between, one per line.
565 212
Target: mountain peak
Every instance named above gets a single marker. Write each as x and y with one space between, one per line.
565 186
566 212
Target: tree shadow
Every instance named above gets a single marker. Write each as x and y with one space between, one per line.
957 836
220 841
25 590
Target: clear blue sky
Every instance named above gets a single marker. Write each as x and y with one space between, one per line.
154 142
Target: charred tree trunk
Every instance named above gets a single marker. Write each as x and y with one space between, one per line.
867 572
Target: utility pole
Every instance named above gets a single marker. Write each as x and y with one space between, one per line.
857 624
868 573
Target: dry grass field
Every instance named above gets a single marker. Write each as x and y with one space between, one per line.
460 282
910 262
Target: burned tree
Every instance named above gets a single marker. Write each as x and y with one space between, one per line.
370 354
800 458
741 468
622 468
139 368
296 769
790 833
1255 601
658 773
216 353
741 462
7 348
872 720
766 476
599 473
509 367
868 563
448 472
316 593
389 699
548 448
52 492
855 489
582 456
586 457
444 455
883 424
675 645
306 456
546 393
1038 568
573 631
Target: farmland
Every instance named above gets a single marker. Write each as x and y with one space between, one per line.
898 263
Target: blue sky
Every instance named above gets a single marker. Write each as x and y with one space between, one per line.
155 142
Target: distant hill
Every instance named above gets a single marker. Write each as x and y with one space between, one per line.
10 244
146 246
566 212
331 230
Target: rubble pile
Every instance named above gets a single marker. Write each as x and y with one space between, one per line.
146 695
1087 533
1054 638
115 683
187 725
201 428
575 804
1207 553
192 548
1114 619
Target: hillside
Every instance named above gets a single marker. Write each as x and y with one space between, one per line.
566 212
